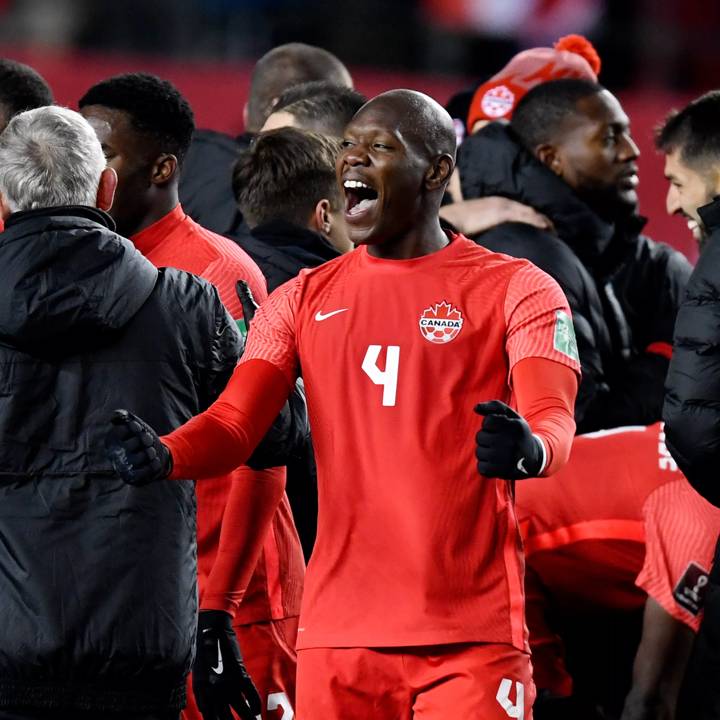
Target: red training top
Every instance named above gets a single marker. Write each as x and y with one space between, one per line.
274 559
616 524
413 547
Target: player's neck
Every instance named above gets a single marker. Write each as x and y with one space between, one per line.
163 203
423 240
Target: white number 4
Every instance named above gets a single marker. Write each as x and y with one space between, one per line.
388 377
503 697
280 700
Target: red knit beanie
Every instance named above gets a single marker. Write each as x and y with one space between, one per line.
572 56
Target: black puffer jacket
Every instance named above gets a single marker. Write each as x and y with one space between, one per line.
98 590
692 402
282 249
609 273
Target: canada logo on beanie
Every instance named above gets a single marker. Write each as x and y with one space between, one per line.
498 101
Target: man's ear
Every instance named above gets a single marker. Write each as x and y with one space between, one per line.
163 169
5 210
106 189
439 172
321 218
548 155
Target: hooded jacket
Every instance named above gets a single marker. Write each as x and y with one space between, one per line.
614 278
99 593
283 249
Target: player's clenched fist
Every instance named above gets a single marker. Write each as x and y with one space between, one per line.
220 680
505 446
135 450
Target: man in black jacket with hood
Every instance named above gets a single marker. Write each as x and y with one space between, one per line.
99 590
568 154
690 140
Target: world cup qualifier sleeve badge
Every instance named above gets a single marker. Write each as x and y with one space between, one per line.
564 339
441 323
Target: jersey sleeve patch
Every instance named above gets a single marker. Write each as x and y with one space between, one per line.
564 337
691 588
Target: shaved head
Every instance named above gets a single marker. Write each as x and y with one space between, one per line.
285 66
420 119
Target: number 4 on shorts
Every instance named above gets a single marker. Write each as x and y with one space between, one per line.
503 697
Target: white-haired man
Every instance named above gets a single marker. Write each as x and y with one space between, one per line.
98 589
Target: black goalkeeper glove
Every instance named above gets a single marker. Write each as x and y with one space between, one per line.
505 446
135 450
219 678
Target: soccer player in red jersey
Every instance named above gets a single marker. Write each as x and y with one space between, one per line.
618 529
145 125
413 603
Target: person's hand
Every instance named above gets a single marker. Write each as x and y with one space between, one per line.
135 450
474 216
505 447
219 678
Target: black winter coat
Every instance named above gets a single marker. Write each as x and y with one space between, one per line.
614 278
98 590
692 402
282 249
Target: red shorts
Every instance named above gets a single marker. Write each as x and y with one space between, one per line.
488 681
269 652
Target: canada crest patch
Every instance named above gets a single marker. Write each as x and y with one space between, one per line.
441 323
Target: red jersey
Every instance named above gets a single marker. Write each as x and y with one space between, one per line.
616 524
413 546
275 588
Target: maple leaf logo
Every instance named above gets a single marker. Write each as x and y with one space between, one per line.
441 323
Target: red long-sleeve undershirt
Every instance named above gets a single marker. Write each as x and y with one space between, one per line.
223 437
545 395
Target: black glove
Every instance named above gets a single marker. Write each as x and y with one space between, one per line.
247 301
135 450
219 678
505 446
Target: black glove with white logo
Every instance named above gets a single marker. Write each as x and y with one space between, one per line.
505 447
135 450
219 678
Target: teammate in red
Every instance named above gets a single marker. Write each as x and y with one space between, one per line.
256 573
413 602
616 530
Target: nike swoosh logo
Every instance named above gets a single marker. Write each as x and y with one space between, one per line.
521 466
219 667
319 316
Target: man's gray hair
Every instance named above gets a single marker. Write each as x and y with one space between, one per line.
49 157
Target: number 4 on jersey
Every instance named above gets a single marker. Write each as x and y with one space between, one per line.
388 377
513 710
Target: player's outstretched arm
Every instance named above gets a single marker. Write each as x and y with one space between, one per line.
210 444
220 680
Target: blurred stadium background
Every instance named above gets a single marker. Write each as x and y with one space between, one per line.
655 55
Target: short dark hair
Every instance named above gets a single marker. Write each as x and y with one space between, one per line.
155 106
284 174
695 130
321 106
539 116
285 66
21 88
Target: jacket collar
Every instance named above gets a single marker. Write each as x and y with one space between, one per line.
710 215
81 211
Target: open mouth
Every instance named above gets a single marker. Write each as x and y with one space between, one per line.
359 197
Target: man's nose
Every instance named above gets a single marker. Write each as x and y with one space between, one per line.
629 150
672 201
